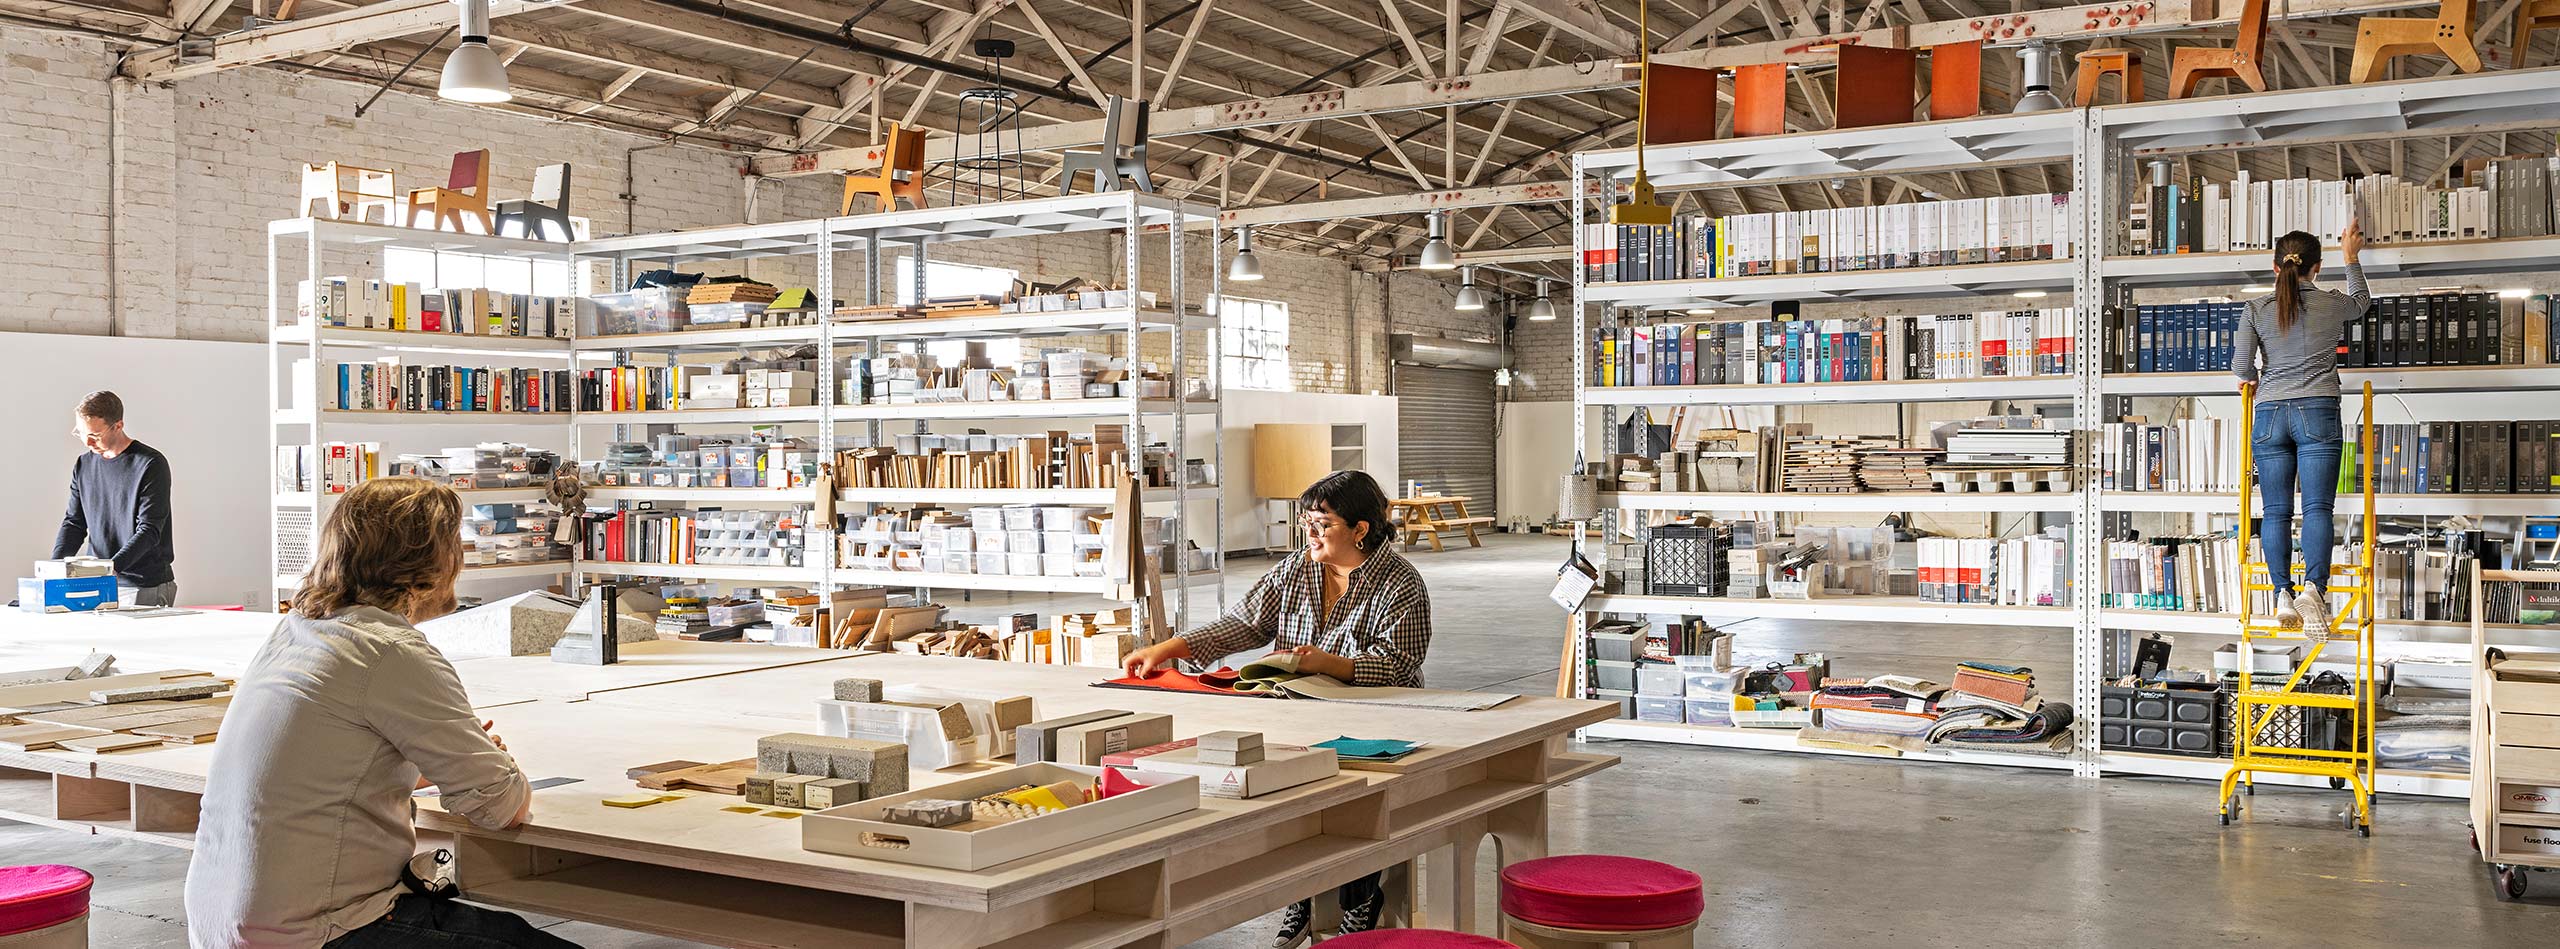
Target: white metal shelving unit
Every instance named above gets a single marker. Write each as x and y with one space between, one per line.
2103 145
295 417
1124 216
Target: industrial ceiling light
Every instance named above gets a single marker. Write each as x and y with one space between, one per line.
473 73
1245 268
1470 299
2037 79
1640 208
2030 294
1542 310
1437 254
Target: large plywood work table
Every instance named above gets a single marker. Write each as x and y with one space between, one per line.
691 870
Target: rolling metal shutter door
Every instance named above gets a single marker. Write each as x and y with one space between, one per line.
1444 421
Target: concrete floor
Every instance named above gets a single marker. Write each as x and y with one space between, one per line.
1805 850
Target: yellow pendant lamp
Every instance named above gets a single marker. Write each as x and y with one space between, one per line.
1640 208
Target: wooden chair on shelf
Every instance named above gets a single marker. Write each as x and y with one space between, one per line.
2534 15
327 184
2192 63
465 191
2095 64
903 156
548 204
1124 155
2379 40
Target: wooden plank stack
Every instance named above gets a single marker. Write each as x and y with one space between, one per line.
1897 469
1821 464
747 291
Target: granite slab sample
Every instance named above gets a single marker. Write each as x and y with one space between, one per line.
527 624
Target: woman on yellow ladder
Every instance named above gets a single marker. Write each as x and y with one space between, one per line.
2288 345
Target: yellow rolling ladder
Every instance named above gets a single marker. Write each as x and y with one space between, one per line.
2260 714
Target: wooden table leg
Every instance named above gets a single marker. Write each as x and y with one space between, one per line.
1472 539
1520 829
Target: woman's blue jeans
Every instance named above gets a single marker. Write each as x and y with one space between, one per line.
2297 441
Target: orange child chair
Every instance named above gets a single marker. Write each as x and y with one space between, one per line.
2534 15
2095 64
327 184
2240 62
2379 40
465 191
904 155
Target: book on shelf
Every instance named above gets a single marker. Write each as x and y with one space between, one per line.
2441 328
2191 574
388 385
2189 455
2034 570
1988 345
1832 240
2502 197
2447 457
351 303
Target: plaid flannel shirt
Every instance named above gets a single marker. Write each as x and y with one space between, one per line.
1382 623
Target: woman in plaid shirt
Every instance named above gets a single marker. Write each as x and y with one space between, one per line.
1348 606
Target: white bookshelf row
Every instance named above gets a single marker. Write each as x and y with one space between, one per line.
469 496
1847 609
1124 216
939 496
2105 147
2420 505
2469 258
1090 586
1784 739
504 571
2005 502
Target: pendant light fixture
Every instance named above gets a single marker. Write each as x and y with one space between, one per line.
2035 79
1542 310
473 73
1436 253
1640 208
1245 268
1470 299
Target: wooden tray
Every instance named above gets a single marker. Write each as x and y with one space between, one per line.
977 845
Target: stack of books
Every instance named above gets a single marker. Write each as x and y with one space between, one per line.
1830 240
1997 344
2193 574
2193 455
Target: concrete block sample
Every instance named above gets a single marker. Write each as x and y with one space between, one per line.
858 690
881 765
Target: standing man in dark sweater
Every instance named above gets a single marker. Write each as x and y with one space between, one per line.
120 504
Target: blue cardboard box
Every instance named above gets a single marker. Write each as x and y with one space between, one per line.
75 594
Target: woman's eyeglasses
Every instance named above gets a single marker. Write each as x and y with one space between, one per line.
1319 525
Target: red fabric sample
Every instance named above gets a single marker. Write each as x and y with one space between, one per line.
1171 681
33 898
1416 939
1602 892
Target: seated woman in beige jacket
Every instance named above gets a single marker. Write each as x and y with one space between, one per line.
346 710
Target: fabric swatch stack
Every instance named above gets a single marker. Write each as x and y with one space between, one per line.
1885 705
1995 707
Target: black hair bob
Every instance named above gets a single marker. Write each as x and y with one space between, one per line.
1354 497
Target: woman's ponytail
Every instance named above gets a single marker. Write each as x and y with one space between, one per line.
2297 254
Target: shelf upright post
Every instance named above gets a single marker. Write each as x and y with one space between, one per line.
825 533
1581 378
311 240
2089 218
1133 461
1173 238
1214 370
275 354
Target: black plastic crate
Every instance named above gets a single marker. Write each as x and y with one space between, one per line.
1686 560
2328 729
2165 721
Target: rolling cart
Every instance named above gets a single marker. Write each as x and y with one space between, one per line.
2515 749
2271 722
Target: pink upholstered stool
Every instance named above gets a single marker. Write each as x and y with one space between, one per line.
44 907
1415 939
1595 899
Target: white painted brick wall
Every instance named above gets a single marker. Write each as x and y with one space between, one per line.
211 160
